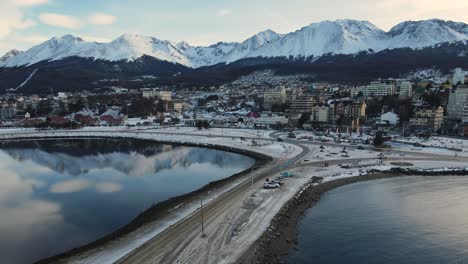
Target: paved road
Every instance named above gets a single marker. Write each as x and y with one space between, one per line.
166 247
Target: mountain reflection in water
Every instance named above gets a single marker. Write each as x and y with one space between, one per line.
60 194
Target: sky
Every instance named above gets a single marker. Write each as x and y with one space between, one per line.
24 23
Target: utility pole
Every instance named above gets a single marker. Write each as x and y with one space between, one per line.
202 220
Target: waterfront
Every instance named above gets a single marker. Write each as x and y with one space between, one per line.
60 194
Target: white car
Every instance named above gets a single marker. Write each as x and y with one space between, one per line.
271 185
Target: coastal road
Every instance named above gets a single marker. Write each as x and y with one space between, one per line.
182 243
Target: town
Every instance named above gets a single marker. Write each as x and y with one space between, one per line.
262 100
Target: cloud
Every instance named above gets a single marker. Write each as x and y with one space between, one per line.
33 39
109 187
223 12
59 20
102 19
29 2
26 24
70 186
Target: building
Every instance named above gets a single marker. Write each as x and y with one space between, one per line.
270 122
379 88
457 101
147 93
465 114
459 76
171 106
274 97
406 89
165 95
291 95
427 119
358 109
303 104
154 92
322 114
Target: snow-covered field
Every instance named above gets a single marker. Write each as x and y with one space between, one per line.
440 142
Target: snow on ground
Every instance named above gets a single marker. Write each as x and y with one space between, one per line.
397 146
236 132
440 142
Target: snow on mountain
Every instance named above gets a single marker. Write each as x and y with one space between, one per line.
418 34
202 56
130 47
53 49
337 37
340 37
251 44
10 54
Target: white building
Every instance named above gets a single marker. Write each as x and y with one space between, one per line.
380 88
165 95
457 101
322 114
459 76
406 89
270 122
390 118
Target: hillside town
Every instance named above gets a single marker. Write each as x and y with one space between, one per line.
425 104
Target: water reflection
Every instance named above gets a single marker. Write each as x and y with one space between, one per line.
399 220
55 195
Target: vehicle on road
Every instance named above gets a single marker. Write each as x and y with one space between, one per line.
278 180
279 139
271 185
360 147
287 174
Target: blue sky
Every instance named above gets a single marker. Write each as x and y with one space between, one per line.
24 23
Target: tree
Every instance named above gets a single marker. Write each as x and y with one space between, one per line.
303 119
378 139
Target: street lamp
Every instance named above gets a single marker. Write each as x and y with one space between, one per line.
252 176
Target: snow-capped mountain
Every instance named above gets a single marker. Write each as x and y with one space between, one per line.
202 56
418 34
340 37
328 37
244 49
9 55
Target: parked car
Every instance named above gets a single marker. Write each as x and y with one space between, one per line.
271 185
280 140
287 174
278 180
360 147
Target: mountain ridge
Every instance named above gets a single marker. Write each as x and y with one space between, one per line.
343 36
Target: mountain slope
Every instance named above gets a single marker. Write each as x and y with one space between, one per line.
318 39
247 47
338 37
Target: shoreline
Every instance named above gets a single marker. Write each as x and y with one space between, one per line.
161 209
276 242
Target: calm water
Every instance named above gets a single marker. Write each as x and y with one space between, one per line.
59 194
400 220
